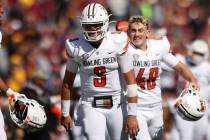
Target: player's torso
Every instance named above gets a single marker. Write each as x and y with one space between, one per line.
99 67
147 67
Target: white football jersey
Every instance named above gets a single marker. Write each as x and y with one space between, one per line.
99 68
147 67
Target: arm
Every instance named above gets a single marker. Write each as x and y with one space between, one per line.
3 86
67 85
70 73
181 68
66 91
126 66
130 80
132 127
186 73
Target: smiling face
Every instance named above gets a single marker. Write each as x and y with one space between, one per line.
93 30
137 34
138 31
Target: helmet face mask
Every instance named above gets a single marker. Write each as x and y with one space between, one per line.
189 105
94 21
198 52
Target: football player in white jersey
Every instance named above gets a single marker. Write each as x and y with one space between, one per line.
148 54
196 60
101 57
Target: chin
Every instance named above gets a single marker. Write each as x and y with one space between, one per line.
137 43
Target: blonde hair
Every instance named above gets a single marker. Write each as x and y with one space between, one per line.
139 19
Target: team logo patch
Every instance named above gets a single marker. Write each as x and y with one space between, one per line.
85 56
135 56
73 39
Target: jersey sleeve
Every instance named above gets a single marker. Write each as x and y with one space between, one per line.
72 49
168 58
166 45
69 48
72 63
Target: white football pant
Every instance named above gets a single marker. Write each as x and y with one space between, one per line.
150 122
192 130
97 120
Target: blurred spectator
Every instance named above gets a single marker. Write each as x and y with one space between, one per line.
122 26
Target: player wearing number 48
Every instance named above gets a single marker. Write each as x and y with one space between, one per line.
148 53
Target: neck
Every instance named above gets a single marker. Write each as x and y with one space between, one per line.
96 44
143 47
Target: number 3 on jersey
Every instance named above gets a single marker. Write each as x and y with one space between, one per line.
100 71
150 82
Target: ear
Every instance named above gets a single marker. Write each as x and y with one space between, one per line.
148 33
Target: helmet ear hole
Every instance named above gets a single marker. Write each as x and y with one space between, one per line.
32 104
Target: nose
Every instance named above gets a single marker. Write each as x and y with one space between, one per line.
137 33
92 27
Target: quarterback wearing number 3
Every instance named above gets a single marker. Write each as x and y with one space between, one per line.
101 56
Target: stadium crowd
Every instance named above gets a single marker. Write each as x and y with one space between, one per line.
33 54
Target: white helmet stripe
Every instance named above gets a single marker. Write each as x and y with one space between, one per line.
93 10
89 10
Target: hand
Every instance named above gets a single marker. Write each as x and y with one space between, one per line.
66 122
132 127
10 92
193 86
12 96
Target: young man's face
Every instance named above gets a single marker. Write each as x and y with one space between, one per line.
137 33
93 30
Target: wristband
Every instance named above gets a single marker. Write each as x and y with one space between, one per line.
65 106
132 90
132 109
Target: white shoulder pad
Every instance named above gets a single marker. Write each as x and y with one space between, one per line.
71 47
120 39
